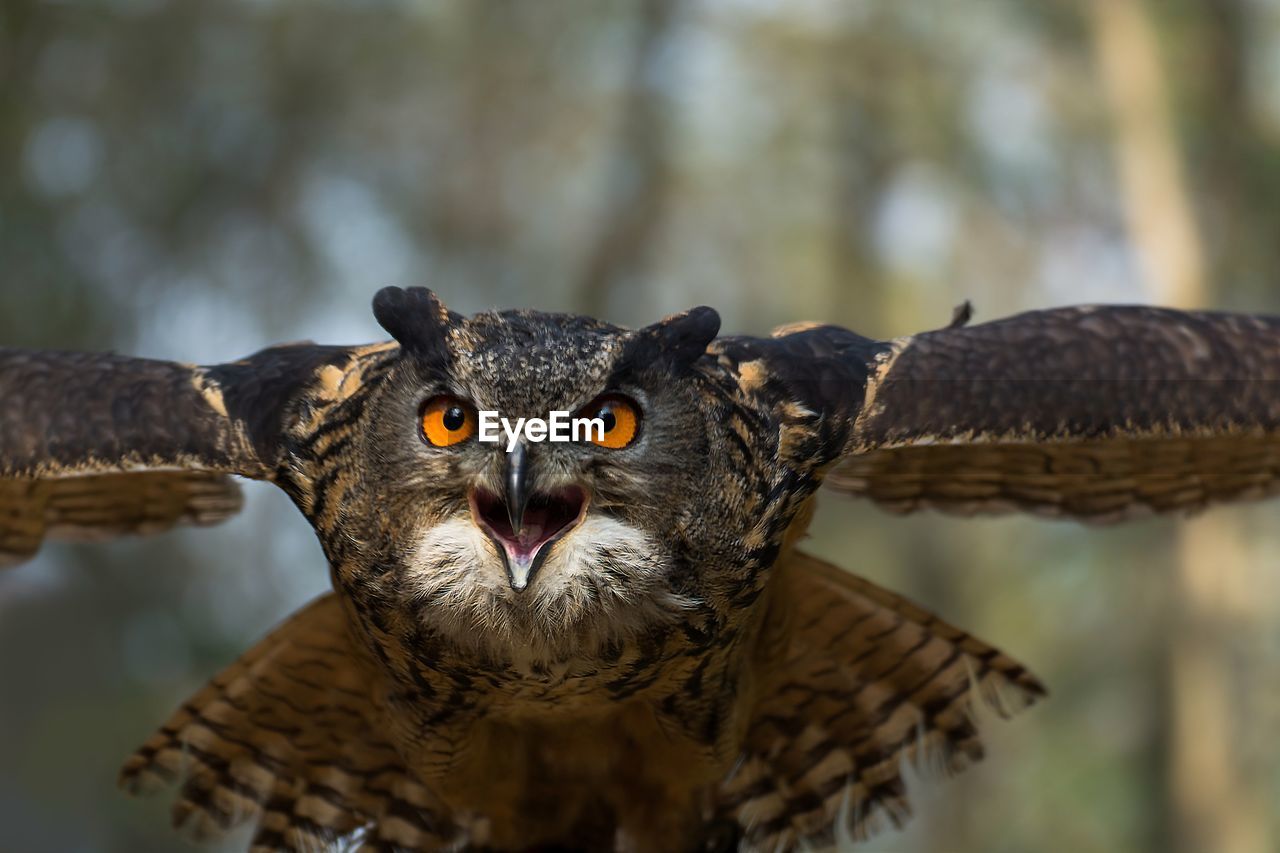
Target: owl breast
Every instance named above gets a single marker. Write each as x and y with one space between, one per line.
609 777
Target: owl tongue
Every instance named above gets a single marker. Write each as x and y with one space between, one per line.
530 535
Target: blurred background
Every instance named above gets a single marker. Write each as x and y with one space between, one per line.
194 180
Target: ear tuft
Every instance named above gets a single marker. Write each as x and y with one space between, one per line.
679 340
417 319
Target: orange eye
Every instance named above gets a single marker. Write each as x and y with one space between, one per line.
621 418
447 420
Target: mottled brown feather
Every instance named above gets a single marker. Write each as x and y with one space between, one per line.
289 738
1092 412
864 681
93 508
1096 413
95 445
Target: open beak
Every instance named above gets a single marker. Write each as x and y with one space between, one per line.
524 525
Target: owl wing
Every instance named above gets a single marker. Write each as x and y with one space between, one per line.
96 445
288 738
1095 413
865 683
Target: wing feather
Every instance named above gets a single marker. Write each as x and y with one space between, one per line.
866 682
288 739
96 445
1094 412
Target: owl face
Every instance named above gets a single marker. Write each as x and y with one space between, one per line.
553 545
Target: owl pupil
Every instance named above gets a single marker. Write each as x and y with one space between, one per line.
610 421
454 418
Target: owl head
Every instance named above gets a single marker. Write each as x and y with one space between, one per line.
535 543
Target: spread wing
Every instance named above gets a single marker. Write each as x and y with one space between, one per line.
866 683
96 445
288 738
1098 413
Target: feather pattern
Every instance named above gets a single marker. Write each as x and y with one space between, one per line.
861 681
96 445
289 738
1100 413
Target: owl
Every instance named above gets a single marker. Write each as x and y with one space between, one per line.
615 642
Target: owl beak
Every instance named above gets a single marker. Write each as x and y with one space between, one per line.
522 524
517 486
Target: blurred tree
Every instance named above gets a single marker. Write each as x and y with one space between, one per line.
195 180
638 186
1212 803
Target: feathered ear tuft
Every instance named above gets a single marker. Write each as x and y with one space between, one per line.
679 340
417 319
